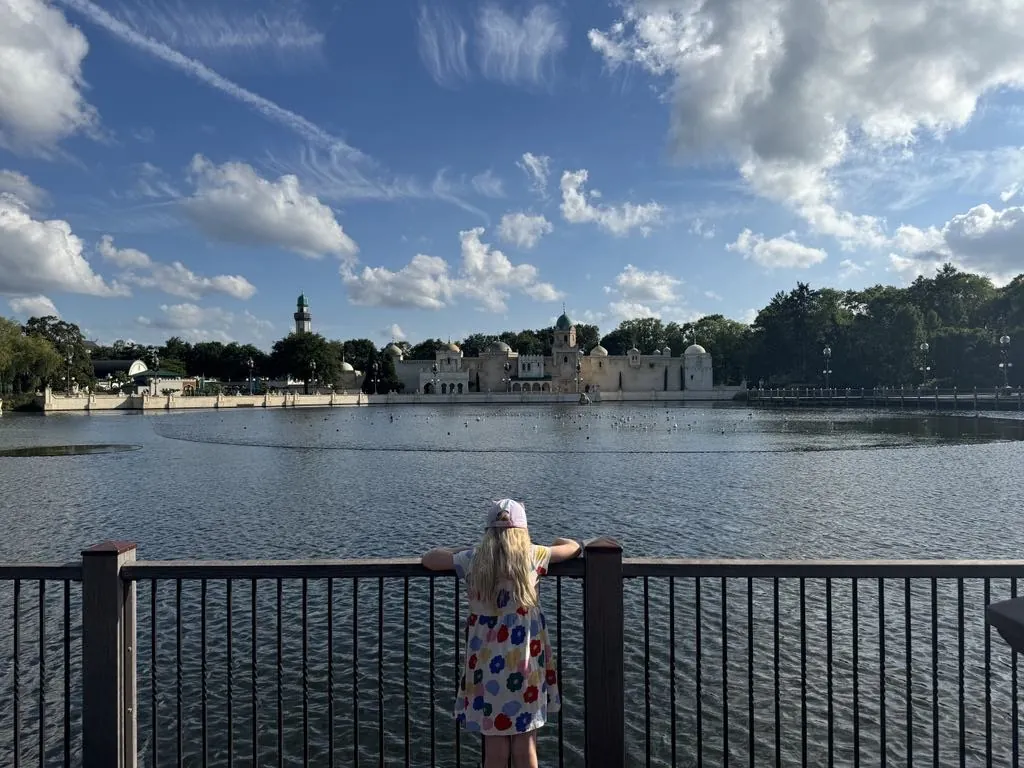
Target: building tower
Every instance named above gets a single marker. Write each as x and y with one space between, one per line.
303 320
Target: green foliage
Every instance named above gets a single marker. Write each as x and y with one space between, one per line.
358 351
27 362
304 356
67 341
425 350
380 376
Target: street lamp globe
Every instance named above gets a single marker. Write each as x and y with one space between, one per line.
1004 341
827 351
924 346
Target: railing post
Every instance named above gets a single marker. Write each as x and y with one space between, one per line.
603 664
108 658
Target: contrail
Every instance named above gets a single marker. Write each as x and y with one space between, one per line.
297 123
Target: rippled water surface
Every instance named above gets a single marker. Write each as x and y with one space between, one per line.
677 481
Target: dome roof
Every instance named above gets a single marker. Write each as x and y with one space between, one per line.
499 348
667 351
393 350
633 351
302 300
599 351
347 367
563 323
451 346
695 349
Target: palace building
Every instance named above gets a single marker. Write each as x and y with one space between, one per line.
568 369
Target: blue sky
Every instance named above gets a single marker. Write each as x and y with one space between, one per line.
435 169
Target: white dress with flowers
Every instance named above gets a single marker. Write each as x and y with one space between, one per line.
509 684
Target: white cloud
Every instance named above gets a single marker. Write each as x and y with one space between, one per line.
127 258
645 294
19 185
33 306
522 229
442 46
217 29
701 228
848 268
192 321
1010 192
485 275
749 316
37 256
519 50
712 295
424 283
981 240
636 285
488 185
777 252
487 272
791 90
537 168
175 278
233 203
394 331
41 82
618 220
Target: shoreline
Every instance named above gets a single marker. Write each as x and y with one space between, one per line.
54 403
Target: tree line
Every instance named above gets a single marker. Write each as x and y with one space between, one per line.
875 336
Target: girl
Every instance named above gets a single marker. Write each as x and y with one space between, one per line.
508 687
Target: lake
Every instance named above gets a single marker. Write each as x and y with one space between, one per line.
683 481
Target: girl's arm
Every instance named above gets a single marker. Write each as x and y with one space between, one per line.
440 558
565 549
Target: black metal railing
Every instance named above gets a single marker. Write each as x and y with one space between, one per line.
662 662
312 663
789 663
40 634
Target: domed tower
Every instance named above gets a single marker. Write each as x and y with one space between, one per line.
303 319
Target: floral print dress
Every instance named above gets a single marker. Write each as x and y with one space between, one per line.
508 684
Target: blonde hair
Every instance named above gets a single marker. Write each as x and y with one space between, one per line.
505 554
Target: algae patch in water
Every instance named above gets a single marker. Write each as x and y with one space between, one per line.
65 450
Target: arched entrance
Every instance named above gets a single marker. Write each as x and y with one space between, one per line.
444 389
545 387
536 387
460 387
428 389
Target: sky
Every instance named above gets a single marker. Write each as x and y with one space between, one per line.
188 167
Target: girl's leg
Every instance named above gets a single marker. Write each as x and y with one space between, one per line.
524 750
496 749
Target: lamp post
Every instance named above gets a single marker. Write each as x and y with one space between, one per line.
826 353
250 377
1005 365
433 369
508 378
70 359
376 371
925 368
312 366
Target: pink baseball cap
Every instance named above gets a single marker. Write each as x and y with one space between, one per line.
512 511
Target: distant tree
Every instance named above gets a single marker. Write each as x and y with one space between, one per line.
380 376
296 354
67 339
475 344
587 336
425 350
358 351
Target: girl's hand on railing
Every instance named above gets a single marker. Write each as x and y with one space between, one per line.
565 549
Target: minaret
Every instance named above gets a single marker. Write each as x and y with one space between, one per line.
303 320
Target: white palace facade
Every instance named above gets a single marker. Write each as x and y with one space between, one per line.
566 370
